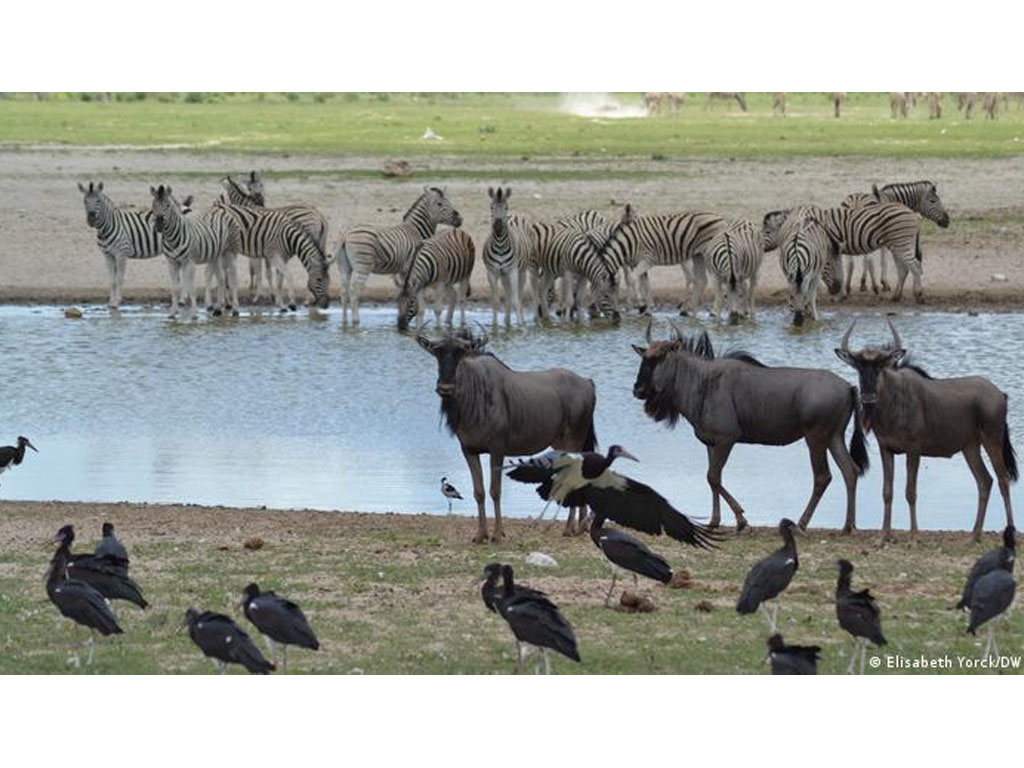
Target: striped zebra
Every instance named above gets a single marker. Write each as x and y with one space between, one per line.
211 239
443 262
506 255
570 253
269 234
121 234
652 240
548 259
306 216
807 257
734 258
856 200
370 250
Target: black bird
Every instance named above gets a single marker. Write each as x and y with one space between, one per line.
77 600
449 492
991 596
857 614
578 479
792 659
107 573
219 638
625 553
770 576
109 545
989 562
12 456
279 620
533 618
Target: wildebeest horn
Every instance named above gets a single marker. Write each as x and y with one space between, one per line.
650 323
845 345
897 344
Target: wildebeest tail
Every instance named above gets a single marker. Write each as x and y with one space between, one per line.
858 446
1009 455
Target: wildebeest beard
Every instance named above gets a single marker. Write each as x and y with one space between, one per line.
660 406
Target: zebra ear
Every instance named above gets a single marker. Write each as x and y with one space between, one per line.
81 188
152 191
490 192
508 192
99 187
187 201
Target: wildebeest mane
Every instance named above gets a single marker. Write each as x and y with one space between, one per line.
906 363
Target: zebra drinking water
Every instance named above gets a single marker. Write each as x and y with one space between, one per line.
443 262
735 259
370 250
506 255
807 257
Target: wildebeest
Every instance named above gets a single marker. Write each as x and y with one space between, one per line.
494 410
736 399
912 413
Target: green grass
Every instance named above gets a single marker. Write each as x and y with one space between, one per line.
394 594
504 126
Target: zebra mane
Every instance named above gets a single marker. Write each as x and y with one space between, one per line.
419 200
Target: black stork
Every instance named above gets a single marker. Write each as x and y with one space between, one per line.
109 545
219 638
857 614
771 575
13 455
627 555
77 600
991 595
278 620
107 573
792 659
450 492
990 561
533 618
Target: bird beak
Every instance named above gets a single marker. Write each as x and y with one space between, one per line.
628 455
29 444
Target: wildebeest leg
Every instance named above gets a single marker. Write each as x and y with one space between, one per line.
569 527
582 520
477 473
994 449
984 480
822 478
887 473
496 466
844 461
913 462
717 456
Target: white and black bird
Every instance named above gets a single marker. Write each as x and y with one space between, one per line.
627 555
991 595
106 573
77 600
771 575
792 659
533 618
450 492
857 614
13 455
109 545
279 620
579 479
1001 557
219 638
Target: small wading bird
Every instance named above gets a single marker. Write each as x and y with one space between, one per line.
990 561
106 573
450 492
578 479
792 659
109 545
991 595
219 638
279 621
771 575
77 600
12 456
858 615
532 617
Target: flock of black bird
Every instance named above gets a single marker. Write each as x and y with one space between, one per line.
83 585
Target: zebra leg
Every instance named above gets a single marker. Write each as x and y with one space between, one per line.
901 279
463 294
492 279
700 280
884 269
452 296
515 280
506 288
848 282
172 269
869 267
112 270
437 300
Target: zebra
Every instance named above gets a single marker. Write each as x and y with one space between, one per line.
211 239
920 196
734 257
388 250
506 255
444 262
653 240
598 230
121 234
807 256
570 252
855 200
306 216
270 234
548 259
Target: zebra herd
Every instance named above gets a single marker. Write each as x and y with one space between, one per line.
524 258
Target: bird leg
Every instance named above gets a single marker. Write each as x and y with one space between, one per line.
547 663
449 506
222 666
89 644
608 597
863 653
769 617
853 657
284 659
519 657
990 641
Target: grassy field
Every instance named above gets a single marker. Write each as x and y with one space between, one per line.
503 126
396 594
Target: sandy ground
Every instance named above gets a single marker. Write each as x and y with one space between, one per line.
48 254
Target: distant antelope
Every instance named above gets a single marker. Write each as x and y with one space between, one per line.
934 106
838 97
779 103
898 104
990 103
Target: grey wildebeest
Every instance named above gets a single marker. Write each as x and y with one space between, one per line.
494 410
912 413
736 399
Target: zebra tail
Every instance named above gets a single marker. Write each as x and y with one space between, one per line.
858 446
1009 454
